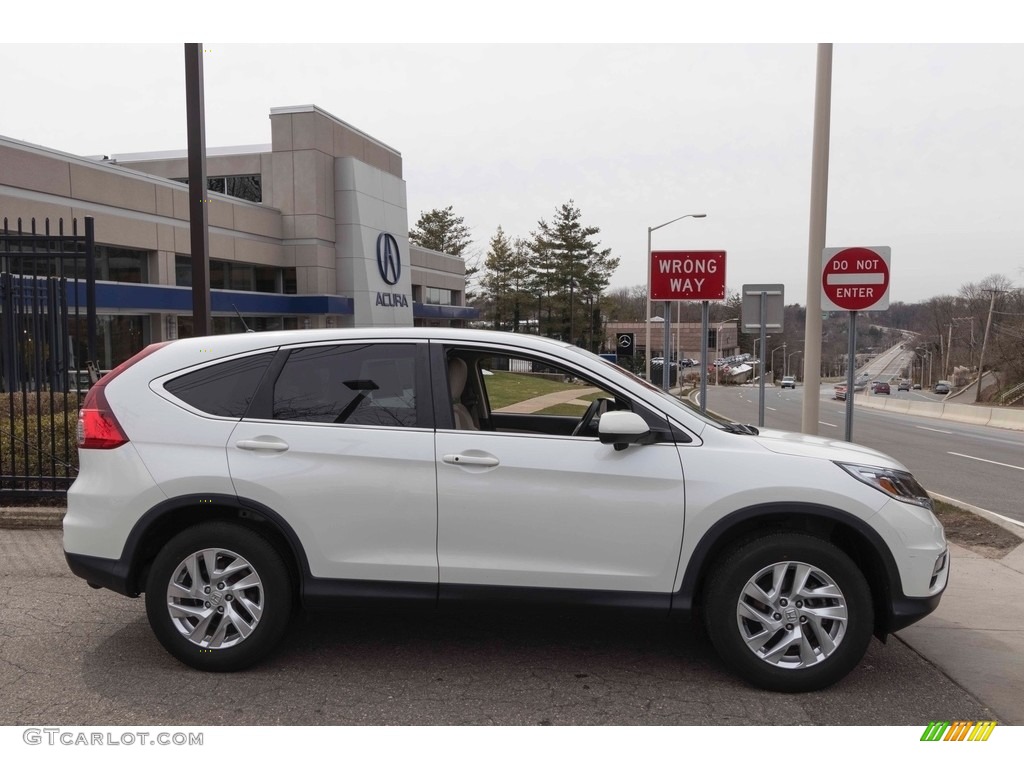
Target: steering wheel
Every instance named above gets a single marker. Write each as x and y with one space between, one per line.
595 409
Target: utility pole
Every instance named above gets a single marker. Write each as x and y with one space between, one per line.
984 341
198 222
816 237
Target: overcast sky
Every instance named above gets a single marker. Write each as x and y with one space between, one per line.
926 143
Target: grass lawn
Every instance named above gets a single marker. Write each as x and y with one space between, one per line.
504 388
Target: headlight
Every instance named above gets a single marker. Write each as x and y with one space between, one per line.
892 482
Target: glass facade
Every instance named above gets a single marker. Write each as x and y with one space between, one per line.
438 296
118 337
247 187
121 265
234 276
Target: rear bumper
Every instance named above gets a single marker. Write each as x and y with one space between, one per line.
101 572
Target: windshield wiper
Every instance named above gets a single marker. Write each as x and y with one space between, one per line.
740 429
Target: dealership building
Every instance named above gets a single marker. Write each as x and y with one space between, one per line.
310 231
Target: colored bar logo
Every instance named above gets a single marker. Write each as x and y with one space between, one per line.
959 730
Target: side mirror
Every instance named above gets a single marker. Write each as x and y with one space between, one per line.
621 428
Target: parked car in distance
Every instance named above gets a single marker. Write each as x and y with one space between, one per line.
839 392
904 385
788 381
943 387
916 386
881 388
233 478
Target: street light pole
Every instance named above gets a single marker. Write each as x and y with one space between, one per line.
790 355
718 346
781 346
647 341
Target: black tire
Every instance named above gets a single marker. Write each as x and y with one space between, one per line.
235 621
811 650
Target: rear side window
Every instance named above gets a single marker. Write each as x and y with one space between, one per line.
223 389
367 384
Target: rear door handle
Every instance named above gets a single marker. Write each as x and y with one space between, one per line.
262 444
477 461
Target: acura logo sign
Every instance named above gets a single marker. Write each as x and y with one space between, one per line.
389 261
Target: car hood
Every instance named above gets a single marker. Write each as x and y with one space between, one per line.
814 447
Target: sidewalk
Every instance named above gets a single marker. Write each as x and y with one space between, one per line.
976 635
541 402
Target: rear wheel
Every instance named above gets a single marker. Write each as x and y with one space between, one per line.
789 612
219 597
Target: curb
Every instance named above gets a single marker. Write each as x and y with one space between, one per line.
1003 522
31 517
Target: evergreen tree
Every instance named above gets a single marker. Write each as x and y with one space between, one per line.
506 280
571 271
496 280
441 230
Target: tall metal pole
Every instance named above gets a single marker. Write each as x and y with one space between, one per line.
90 294
647 320
764 337
704 317
647 323
949 346
850 366
197 192
984 343
816 239
666 347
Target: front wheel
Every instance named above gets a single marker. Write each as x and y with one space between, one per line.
789 612
218 597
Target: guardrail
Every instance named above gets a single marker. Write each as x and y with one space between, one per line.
1015 394
983 415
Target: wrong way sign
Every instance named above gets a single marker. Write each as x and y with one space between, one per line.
855 279
687 275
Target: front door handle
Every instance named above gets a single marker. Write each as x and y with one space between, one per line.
476 461
262 444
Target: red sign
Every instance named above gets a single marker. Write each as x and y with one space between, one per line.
855 279
687 275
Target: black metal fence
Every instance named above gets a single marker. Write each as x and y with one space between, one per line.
47 345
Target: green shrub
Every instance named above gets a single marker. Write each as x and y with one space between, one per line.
38 436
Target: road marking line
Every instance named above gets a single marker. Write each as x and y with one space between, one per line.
827 424
943 431
770 408
987 461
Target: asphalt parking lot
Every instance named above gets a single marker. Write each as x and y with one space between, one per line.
72 654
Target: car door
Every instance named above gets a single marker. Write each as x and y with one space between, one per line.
524 503
339 442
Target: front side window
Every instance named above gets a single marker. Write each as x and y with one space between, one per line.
365 384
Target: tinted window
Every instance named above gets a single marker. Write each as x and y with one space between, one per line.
224 389
372 384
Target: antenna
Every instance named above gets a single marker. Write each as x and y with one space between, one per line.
242 320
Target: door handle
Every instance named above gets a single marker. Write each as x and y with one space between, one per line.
476 461
262 444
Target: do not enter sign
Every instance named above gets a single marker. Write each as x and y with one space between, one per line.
855 279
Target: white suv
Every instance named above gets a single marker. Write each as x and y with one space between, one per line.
231 478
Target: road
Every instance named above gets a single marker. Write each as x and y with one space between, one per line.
982 466
69 654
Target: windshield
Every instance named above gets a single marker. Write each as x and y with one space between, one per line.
672 402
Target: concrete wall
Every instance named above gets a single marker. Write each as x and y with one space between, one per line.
982 415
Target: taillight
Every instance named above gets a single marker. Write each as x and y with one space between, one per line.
97 425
